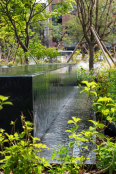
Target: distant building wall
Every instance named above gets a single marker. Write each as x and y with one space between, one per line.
65 18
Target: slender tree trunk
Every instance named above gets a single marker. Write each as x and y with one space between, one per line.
91 56
27 35
0 52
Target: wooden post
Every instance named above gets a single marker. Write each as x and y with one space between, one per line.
76 47
105 48
75 50
86 50
100 45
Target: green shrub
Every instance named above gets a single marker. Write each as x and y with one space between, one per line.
22 153
82 74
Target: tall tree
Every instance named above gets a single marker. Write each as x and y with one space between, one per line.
20 17
100 14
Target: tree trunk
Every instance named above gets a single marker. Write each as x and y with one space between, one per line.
0 53
27 35
91 56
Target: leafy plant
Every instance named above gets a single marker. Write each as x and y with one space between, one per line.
3 101
104 85
90 89
106 150
51 54
82 75
83 139
106 155
65 161
106 107
22 153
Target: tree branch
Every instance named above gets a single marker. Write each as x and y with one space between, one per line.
103 11
107 17
41 10
97 10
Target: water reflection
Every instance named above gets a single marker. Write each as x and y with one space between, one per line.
50 92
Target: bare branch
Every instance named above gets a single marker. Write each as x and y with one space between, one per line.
107 17
107 34
87 4
83 11
82 18
103 11
97 9
41 10
78 11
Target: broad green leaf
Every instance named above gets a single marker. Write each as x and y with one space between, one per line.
86 82
93 83
70 121
16 134
105 99
98 104
2 130
7 103
101 135
22 135
36 139
76 119
109 119
97 124
93 92
40 145
91 128
68 131
105 111
12 123
3 98
71 144
113 109
84 146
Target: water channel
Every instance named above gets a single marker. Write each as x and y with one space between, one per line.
56 136
48 95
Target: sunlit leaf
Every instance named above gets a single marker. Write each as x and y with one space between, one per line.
3 98
76 119
7 103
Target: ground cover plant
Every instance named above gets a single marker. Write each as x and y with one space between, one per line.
82 74
22 155
104 104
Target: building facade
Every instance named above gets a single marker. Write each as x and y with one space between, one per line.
62 20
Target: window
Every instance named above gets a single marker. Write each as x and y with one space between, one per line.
58 20
55 22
